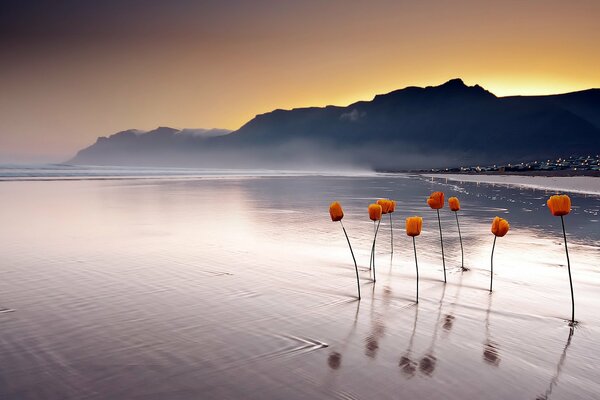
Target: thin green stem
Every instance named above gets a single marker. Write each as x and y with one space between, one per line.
353 258
373 248
392 233
569 267
442 243
492 263
417 267
371 256
462 253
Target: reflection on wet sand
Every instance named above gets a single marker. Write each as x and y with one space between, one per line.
334 360
407 365
449 318
490 348
258 301
335 357
561 361
377 331
428 362
448 322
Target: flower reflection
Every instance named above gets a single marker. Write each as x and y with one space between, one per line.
428 362
408 367
449 318
387 293
334 360
448 322
561 361
377 330
491 354
371 346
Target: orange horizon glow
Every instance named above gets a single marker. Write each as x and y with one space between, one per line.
65 82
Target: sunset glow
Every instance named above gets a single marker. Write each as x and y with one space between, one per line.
73 73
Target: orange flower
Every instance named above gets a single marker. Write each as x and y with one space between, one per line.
392 206
454 203
436 200
500 226
413 226
375 211
559 205
336 212
385 205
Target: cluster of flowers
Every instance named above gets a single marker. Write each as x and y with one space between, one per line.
559 205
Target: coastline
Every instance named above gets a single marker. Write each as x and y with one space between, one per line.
549 182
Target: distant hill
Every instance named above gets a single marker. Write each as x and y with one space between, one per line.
161 146
436 126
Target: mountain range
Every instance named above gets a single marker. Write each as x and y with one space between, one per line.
437 126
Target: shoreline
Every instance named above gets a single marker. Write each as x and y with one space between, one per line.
557 173
581 184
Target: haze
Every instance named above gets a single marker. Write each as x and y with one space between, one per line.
72 71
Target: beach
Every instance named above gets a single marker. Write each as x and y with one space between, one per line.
212 288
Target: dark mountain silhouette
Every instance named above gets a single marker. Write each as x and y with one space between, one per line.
161 146
446 125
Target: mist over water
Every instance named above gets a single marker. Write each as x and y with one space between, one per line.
187 285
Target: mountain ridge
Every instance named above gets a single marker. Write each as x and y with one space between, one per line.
431 126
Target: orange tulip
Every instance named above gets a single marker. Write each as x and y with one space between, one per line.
559 205
392 206
375 211
454 204
391 209
436 200
414 226
385 205
336 212
500 226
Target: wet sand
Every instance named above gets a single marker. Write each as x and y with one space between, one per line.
243 288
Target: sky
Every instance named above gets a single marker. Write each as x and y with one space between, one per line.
71 71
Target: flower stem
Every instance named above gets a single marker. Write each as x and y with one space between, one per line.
371 256
569 267
442 243
354 258
392 234
462 253
417 267
492 263
373 248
